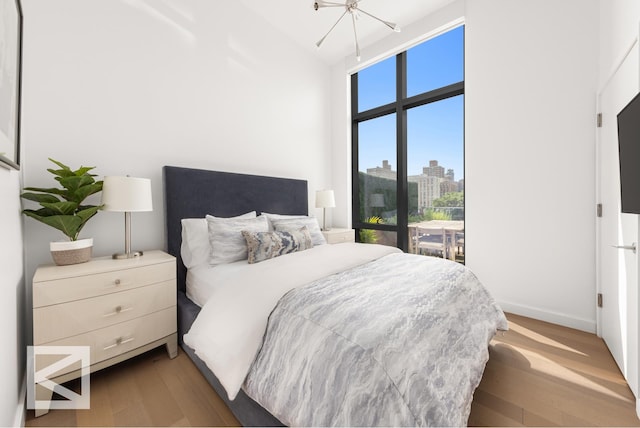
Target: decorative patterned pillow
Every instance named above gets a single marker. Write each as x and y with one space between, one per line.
267 245
225 236
289 224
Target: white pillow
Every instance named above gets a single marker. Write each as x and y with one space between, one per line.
272 217
226 240
195 248
294 224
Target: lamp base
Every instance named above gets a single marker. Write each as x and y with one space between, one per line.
123 256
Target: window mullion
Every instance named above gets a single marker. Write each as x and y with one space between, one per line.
401 129
355 179
434 96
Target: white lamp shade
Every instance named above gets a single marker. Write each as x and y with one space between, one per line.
126 194
325 199
376 200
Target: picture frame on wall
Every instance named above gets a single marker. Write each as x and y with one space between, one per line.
10 82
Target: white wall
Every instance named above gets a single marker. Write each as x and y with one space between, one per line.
531 76
530 83
12 304
132 85
619 27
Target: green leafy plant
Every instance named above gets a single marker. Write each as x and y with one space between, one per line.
62 208
435 215
370 236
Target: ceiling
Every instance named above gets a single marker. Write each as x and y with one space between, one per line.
298 20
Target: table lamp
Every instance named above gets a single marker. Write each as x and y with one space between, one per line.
127 194
376 200
325 199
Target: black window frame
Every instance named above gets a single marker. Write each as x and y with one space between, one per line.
400 107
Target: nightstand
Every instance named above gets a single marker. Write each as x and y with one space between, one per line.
118 308
336 236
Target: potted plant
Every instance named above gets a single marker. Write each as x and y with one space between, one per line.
62 208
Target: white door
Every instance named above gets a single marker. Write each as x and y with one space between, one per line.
617 267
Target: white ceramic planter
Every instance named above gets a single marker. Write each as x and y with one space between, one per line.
71 252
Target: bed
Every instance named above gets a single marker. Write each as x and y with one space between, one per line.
285 357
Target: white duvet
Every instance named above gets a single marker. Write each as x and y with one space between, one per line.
228 332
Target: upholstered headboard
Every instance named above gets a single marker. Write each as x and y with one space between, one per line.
194 193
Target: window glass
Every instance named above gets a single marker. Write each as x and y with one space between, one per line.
377 164
381 237
436 63
377 85
435 166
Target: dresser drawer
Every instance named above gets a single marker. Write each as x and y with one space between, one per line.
85 286
339 236
70 319
117 339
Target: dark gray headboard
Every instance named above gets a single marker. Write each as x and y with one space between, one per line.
194 193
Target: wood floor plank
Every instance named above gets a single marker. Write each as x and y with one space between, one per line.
156 398
55 418
123 389
198 408
134 415
184 422
531 419
497 404
480 414
538 374
100 413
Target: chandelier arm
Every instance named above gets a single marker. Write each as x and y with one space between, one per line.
321 3
331 29
355 34
391 25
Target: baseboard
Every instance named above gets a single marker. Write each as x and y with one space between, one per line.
21 410
548 316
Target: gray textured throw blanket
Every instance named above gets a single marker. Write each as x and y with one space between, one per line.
400 341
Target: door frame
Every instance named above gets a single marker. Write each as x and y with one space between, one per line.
635 44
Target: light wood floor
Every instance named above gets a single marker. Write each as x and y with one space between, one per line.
538 374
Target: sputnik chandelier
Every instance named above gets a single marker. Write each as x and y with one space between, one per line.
350 7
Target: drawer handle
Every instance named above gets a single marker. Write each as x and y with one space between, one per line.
118 310
117 282
119 341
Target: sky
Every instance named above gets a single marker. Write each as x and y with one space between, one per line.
435 131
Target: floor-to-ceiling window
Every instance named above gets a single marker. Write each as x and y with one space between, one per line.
408 148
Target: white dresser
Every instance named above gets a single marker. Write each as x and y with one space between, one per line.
119 308
336 236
